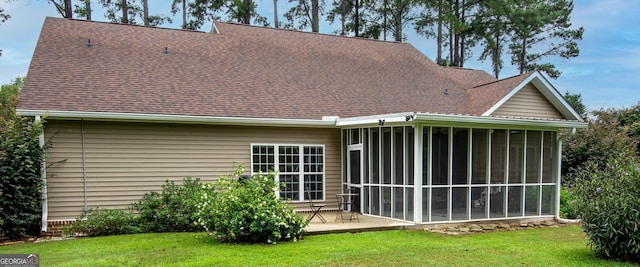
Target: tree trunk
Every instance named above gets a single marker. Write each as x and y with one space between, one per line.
496 56
247 11
357 19
315 21
439 38
125 12
68 9
275 14
88 7
384 23
398 25
462 35
450 43
456 37
523 54
343 18
184 14
145 12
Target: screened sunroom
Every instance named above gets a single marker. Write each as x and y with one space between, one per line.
429 173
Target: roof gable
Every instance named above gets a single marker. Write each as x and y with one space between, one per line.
533 97
528 102
483 97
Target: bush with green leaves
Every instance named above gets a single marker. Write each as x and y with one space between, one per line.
610 132
172 210
102 222
20 166
608 201
567 204
248 210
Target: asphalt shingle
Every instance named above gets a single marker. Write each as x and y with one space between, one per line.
244 71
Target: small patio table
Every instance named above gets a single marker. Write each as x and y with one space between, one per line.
346 202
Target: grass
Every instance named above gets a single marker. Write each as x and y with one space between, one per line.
565 246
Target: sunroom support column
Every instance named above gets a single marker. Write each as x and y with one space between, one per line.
557 174
417 174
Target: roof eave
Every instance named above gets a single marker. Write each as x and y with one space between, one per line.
163 118
456 119
498 121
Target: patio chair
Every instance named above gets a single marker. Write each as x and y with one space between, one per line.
315 208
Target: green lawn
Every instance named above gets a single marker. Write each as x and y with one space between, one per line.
565 246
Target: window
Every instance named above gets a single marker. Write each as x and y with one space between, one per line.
301 168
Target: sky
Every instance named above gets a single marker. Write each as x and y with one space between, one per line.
606 73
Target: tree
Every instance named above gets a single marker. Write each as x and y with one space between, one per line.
174 10
357 17
204 10
449 19
306 13
83 11
431 13
9 95
492 27
401 11
575 100
241 11
3 17
541 29
130 10
64 8
340 9
21 160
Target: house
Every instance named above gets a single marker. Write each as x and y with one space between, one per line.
127 107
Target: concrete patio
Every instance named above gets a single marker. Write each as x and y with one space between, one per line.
367 223
371 223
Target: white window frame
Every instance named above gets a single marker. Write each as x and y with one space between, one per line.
301 173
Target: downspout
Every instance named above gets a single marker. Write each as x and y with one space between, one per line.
84 172
43 178
559 184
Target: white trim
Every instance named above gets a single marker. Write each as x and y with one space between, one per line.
491 122
162 118
43 188
544 87
328 122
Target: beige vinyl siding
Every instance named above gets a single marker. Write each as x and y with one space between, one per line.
64 179
530 103
125 160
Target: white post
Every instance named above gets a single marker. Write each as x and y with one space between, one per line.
417 174
558 173
43 178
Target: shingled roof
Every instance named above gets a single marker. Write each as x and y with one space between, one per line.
243 71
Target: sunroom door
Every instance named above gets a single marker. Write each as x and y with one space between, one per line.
354 174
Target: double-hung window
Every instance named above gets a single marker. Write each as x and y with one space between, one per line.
300 168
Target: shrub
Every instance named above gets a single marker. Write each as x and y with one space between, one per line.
607 200
20 165
248 211
172 210
610 132
101 222
567 204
